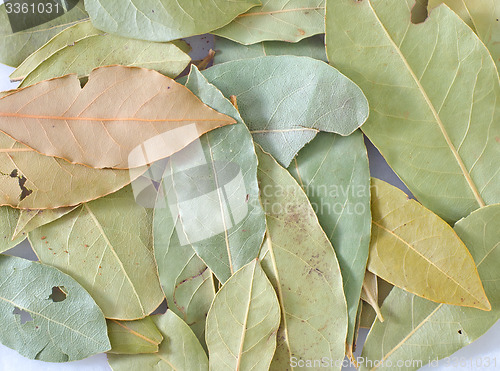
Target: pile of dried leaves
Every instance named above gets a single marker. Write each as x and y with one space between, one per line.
242 193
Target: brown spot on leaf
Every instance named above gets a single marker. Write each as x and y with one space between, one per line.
301 31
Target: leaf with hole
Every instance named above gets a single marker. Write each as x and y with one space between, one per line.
108 122
210 192
134 337
333 171
164 20
41 327
419 329
106 245
243 321
226 50
179 350
433 91
284 20
301 264
16 46
414 249
290 111
97 49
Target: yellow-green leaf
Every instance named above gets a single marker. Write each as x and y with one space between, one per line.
134 337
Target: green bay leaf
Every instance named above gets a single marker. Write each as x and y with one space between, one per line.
91 49
290 111
163 20
284 20
134 337
433 91
39 327
413 248
15 47
179 351
8 220
301 264
243 321
419 329
106 245
334 173
226 50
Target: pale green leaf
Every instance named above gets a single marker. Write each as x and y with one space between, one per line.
31 219
227 50
179 351
419 329
134 337
301 264
39 327
63 39
483 16
100 49
210 192
164 20
15 47
243 321
8 220
433 91
284 20
334 173
285 113
413 248
106 245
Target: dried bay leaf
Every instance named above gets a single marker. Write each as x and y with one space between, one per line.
8 220
163 20
291 110
419 329
106 245
63 39
243 321
210 192
369 294
227 50
368 314
433 91
414 249
333 171
15 47
105 124
134 337
39 327
179 351
483 16
96 50
285 20
30 180
301 264
31 219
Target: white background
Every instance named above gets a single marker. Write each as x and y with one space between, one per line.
487 346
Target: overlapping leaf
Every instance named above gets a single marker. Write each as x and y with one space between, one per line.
15 47
179 351
8 220
243 321
29 220
227 50
302 266
164 20
334 173
285 20
284 114
418 329
39 327
97 49
134 337
108 122
414 249
106 245
433 91
483 16
368 314
210 193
